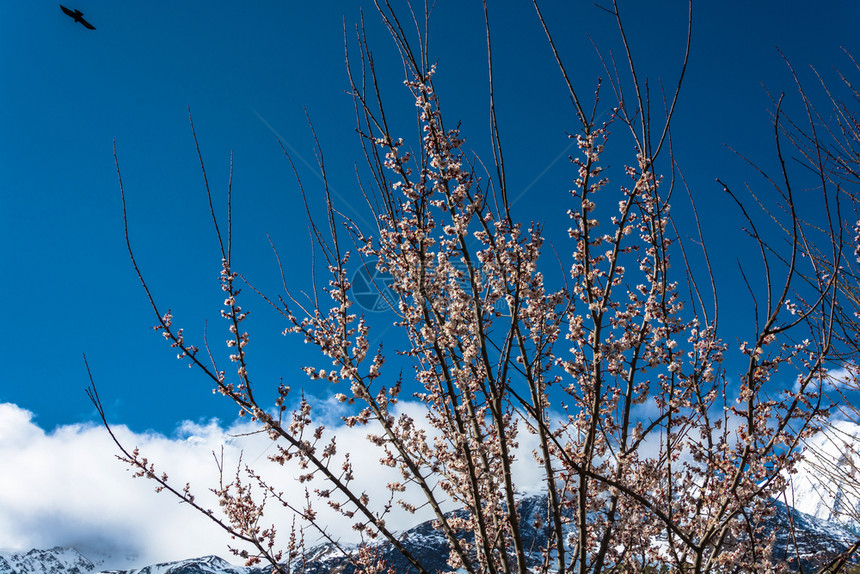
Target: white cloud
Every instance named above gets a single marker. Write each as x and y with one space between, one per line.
842 378
67 488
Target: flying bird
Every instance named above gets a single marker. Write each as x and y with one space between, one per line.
78 16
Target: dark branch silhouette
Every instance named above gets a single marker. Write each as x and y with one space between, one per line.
78 16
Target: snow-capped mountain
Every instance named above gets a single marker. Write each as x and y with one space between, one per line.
54 561
69 561
204 565
816 541
802 535
827 484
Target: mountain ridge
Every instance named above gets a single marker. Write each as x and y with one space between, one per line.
816 541
57 560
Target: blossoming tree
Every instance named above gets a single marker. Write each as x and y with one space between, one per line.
498 354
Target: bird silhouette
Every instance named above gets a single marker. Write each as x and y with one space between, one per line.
78 16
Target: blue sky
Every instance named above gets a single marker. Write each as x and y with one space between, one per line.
249 73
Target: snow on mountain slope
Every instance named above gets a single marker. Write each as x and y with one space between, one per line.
827 482
204 565
54 561
813 540
69 561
